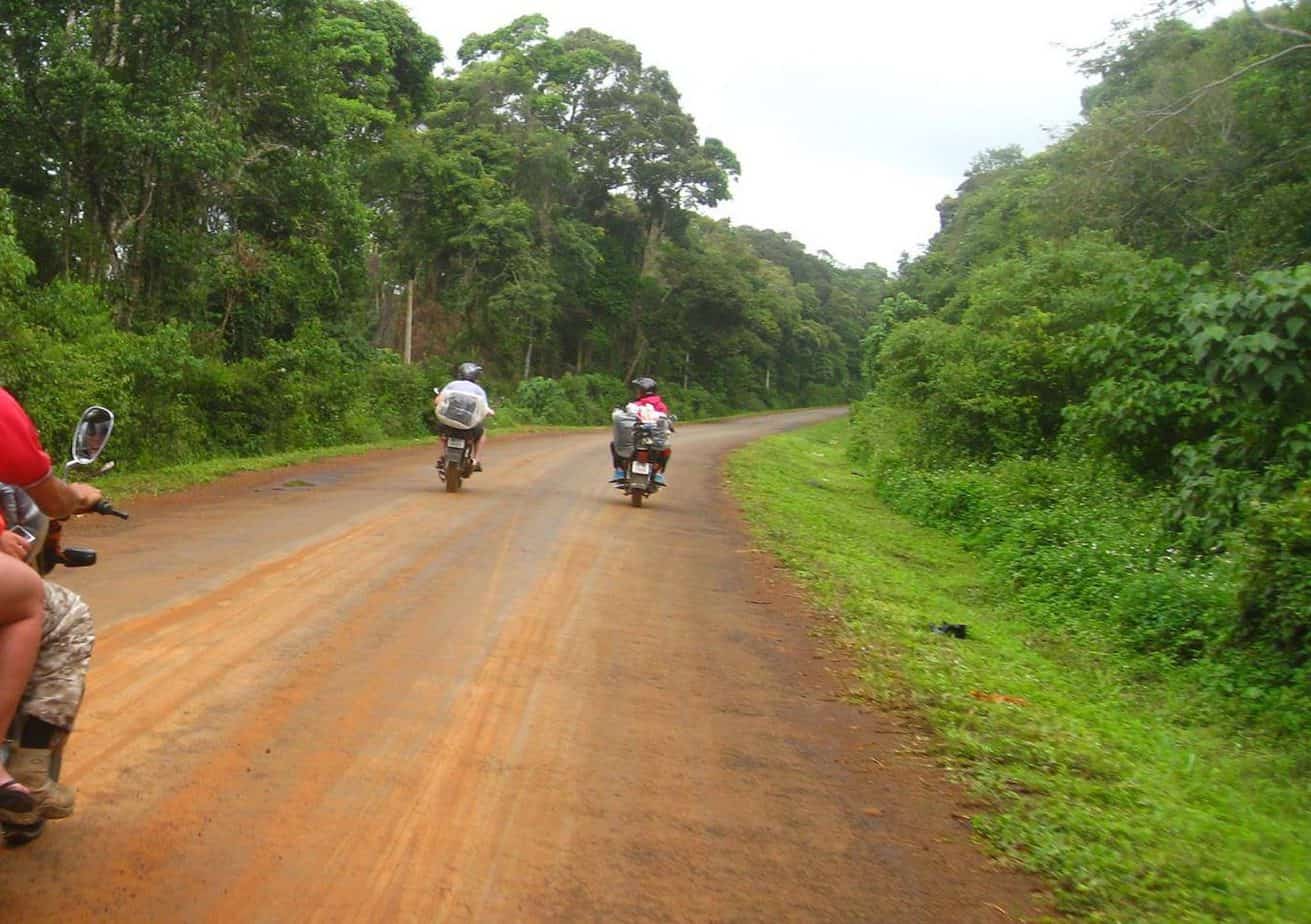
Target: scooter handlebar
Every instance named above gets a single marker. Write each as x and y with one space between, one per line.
105 508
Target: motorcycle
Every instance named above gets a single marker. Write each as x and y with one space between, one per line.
22 515
459 416
457 463
641 445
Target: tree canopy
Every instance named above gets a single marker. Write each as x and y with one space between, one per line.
245 170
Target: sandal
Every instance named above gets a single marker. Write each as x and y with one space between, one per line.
17 807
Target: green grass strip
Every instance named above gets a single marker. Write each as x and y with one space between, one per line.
1134 810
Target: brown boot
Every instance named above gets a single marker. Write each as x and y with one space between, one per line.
31 767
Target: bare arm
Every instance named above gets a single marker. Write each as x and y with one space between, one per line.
59 499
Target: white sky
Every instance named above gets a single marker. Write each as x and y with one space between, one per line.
851 119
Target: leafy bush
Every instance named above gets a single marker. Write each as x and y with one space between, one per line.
1208 386
592 396
1080 546
695 402
1092 552
997 382
544 401
1275 596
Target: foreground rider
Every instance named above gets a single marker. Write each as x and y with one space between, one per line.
647 395
466 381
23 599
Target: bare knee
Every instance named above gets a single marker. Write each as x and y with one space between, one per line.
21 591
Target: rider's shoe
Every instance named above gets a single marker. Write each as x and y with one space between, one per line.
659 479
619 475
16 806
477 466
31 767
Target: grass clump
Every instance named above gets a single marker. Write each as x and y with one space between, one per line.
1142 796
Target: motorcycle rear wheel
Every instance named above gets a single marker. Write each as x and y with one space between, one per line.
636 498
453 477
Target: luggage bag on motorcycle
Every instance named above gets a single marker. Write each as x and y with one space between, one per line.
625 433
625 426
461 410
660 433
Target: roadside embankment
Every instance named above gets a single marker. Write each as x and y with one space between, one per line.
1095 776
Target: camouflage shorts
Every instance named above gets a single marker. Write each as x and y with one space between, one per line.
59 676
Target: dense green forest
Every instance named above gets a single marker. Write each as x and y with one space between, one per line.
213 215
1099 372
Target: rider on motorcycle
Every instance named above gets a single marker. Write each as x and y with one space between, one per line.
25 602
466 381
647 395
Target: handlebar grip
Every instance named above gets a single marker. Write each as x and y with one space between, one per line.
105 508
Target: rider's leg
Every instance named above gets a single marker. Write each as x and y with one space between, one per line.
38 734
21 596
30 763
661 465
53 697
618 464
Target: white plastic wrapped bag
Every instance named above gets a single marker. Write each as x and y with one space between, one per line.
461 409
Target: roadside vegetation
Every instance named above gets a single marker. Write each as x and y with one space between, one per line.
1116 412
1140 793
1094 386
214 220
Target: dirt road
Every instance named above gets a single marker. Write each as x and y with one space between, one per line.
336 693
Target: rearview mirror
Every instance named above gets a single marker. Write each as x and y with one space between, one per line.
91 434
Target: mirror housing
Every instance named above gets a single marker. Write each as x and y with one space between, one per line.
91 434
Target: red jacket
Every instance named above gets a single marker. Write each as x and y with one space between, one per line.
654 401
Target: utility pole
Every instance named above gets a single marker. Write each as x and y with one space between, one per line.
409 322
687 362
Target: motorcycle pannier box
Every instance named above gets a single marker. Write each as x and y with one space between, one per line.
624 426
461 410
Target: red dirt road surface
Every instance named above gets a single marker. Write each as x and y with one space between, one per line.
337 693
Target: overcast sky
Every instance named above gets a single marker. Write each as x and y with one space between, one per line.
851 119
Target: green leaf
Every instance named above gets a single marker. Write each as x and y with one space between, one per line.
1266 340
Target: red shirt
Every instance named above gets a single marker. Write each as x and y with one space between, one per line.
22 460
654 401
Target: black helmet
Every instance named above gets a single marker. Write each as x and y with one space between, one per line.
469 372
645 386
